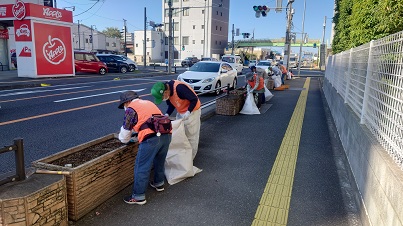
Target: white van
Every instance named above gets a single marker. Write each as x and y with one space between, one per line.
235 61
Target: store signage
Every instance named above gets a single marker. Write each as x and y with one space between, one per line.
19 10
3 34
25 52
54 50
22 30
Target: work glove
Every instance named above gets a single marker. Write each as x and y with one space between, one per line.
248 88
166 114
185 115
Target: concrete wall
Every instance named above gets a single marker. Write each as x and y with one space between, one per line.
378 178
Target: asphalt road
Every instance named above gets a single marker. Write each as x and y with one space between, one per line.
68 113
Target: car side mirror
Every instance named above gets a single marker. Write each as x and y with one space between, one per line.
224 71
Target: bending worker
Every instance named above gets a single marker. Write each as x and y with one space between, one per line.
179 95
256 86
152 149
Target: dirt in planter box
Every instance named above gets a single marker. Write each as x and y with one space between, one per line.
88 154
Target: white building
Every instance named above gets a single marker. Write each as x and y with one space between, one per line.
200 27
98 43
155 46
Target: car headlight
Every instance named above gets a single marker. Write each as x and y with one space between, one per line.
208 80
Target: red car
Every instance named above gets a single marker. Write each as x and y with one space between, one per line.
89 63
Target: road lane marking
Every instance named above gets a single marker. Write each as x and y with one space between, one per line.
82 91
95 95
61 112
275 201
40 91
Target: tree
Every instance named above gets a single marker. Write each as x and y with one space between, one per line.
112 32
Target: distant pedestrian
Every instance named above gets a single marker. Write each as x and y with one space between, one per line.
152 149
283 70
178 95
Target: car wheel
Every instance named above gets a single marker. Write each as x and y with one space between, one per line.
234 83
132 68
216 90
123 69
102 71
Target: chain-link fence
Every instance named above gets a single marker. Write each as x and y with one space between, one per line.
370 80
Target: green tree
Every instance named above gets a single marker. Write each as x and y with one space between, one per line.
112 32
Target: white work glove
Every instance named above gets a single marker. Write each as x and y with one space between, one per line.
248 88
185 115
166 114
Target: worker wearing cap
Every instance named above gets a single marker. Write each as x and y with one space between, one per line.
256 86
178 95
152 149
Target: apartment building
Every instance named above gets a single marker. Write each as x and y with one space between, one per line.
155 46
200 28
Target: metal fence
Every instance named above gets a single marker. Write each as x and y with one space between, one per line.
370 80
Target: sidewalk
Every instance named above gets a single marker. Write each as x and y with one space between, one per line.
282 167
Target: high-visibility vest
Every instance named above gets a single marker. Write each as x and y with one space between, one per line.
253 82
283 69
144 109
182 105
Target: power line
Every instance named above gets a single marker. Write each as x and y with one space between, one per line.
88 9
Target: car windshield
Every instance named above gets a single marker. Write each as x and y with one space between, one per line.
205 67
188 58
228 59
265 63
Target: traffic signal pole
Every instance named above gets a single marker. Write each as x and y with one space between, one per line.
145 38
287 50
232 43
170 39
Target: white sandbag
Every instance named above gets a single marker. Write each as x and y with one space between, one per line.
289 75
277 80
249 108
179 160
267 94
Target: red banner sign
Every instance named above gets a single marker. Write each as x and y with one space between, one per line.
3 34
21 10
22 30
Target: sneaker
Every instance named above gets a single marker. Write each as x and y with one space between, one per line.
159 188
130 200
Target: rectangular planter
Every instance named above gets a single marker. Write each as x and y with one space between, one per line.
230 104
97 180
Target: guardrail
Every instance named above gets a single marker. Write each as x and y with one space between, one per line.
369 79
18 148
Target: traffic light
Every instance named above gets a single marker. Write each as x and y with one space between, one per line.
90 38
261 10
245 35
314 45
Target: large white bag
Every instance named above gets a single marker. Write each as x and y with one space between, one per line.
249 108
267 94
179 161
277 80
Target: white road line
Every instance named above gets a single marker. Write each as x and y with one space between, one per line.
96 95
41 91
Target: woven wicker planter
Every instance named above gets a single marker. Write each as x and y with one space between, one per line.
97 180
270 84
231 104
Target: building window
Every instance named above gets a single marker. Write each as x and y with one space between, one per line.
216 42
203 11
166 41
216 27
194 41
148 39
176 40
107 44
113 44
220 28
202 41
185 0
86 40
217 12
221 13
194 27
202 26
166 12
148 53
175 12
185 40
185 11
220 42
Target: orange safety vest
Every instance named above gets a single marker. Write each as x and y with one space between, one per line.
283 69
144 109
252 83
181 105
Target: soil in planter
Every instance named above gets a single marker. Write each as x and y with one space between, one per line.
88 154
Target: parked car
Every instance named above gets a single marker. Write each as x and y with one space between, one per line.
189 61
206 76
131 63
89 63
114 64
264 64
235 61
14 59
208 59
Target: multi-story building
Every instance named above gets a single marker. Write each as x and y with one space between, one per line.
200 28
155 46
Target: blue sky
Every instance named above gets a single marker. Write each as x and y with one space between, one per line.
108 13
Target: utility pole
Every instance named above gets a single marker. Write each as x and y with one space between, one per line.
204 29
324 29
79 42
253 38
170 39
145 38
302 40
287 34
125 30
92 38
232 43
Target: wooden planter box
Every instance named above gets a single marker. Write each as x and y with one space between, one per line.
230 104
97 180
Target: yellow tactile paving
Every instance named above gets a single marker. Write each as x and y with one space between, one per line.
275 201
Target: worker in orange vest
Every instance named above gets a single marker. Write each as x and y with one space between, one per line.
283 70
256 86
180 96
153 147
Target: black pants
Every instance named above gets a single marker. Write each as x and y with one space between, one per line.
259 99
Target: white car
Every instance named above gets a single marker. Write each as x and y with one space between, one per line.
264 64
252 63
209 76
